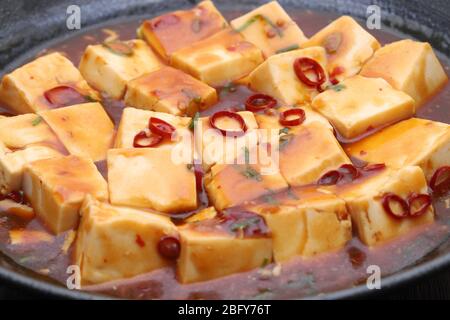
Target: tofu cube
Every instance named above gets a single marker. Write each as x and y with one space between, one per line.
109 71
408 66
347 44
153 179
219 59
13 163
306 222
117 242
85 130
170 90
364 201
212 248
235 184
179 29
23 90
57 187
276 76
270 28
412 142
361 104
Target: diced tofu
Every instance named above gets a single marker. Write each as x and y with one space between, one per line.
231 185
12 165
270 28
307 152
110 71
151 178
216 148
173 31
409 66
362 104
26 237
19 210
170 90
306 222
85 130
276 76
347 44
213 248
364 201
26 130
116 242
57 187
23 89
219 59
414 141
135 120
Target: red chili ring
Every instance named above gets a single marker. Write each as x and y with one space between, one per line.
161 127
302 65
391 197
232 115
330 178
169 247
260 102
300 113
437 182
198 171
424 198
374 167
153 140
349 170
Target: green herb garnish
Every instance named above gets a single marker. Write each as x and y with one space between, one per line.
246 155
189 166
243 224
228 88
196 25
37 121
257 17
265 263
269 198
194 120
285 130
337 87
251 173
119 47
288 48
292 195
284 140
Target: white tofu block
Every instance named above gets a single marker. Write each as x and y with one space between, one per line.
117 242
347 44
409 66
151 178
276 76
110 71
270 28
417 142
170 90
23 89
219 59
361 104
85 130
57 187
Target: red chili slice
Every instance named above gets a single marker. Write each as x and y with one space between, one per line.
232 115
169 247
374 167
423 201
305 65
330 178
161 127
348 172
198 171
336 71
298 120
143 140
441 179
260 102
389 199
63 96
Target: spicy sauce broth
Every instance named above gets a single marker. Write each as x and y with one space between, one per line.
296 278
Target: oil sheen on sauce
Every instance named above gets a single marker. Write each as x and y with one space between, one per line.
50 255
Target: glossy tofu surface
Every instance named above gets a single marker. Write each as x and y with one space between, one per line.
179 29
360 104
409 66
276 76
420 142
219 59
109 71
270 28
23 89
153 180
347 44
85 130
117 242
57 187
170 90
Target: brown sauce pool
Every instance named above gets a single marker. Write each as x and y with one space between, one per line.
300 277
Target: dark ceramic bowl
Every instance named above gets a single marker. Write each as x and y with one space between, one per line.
26 27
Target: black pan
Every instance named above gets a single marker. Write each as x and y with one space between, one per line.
26 27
